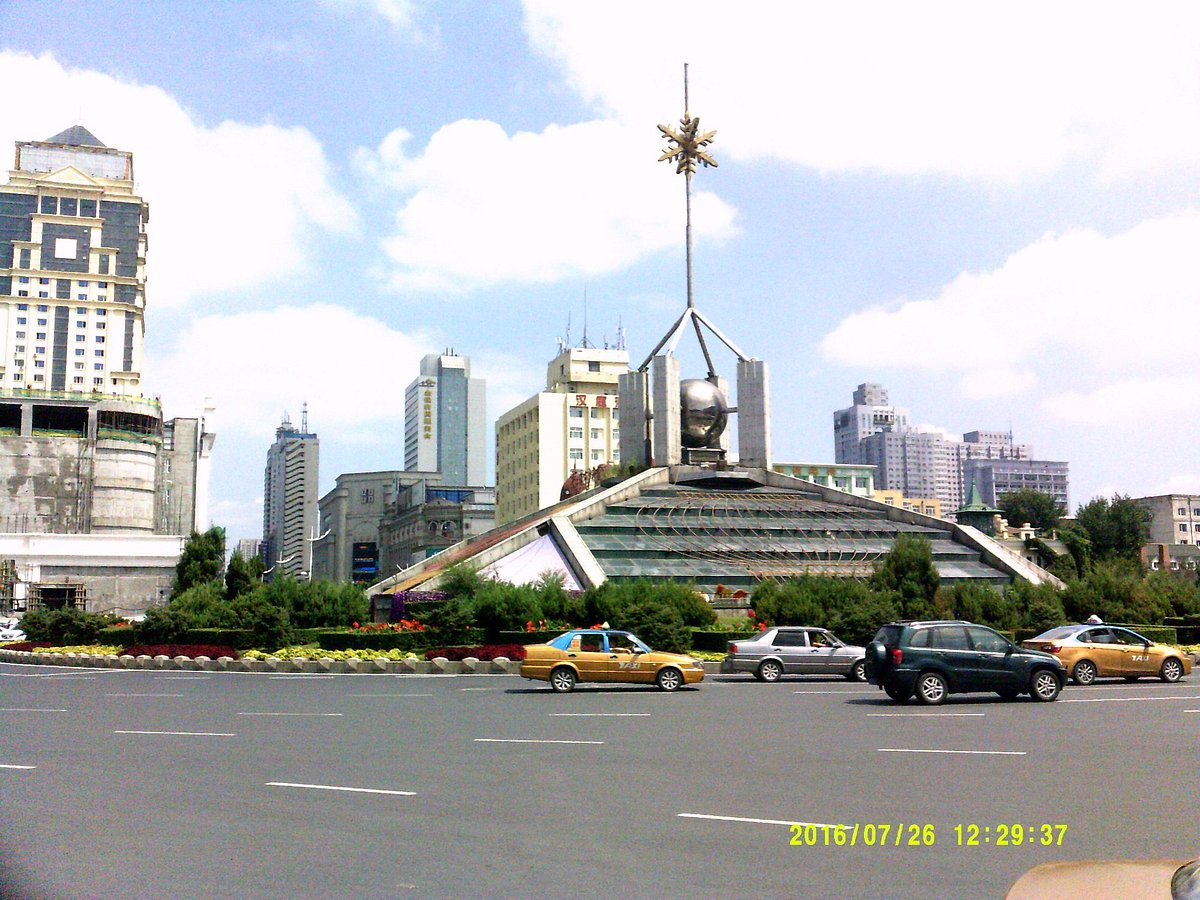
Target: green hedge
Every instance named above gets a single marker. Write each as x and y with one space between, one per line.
717 641
1160 634
393 640
237 638
529 637
121 636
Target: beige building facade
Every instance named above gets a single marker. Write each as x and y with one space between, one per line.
572 426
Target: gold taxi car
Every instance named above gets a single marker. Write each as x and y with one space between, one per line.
1103 651
604 655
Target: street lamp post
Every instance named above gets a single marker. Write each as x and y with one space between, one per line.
310 541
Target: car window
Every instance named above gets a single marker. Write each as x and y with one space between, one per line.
1097 636
1056 634
921 638
591 643
1129 637
821 639
950 637
986 640
790 639
889 635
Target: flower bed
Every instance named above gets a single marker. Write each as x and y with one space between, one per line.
212 651
485 652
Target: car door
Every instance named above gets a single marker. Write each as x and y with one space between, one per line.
951 647
590 656
993 659
791 646
1104 651
822 657
1136 658
624 664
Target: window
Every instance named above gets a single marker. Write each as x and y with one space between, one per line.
575 453
103 285
20 348
42 307
99 339
99 352
41 322
20 334
102 312
79 351
39 364
1182 510
78 379
81 310
65 248
78 367
67 206
593 366
43 293
87 208
41 335
22 306
39 377
24 279
22 293
576 412
596 434
597 413
597 456
80 323
100 326
81 296
104 264
99 367
17 376
80 337
575 433
83 284
20 320
97 381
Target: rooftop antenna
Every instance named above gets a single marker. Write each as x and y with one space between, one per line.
585 343
620 334
304 417
685 148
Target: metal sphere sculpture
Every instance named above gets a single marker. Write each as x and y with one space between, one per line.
704 412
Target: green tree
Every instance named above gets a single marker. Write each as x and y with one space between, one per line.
239 579
1040 606
203 559
324 604
1038 509
1079 547
907 570
1116 528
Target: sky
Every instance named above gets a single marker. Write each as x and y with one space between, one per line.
989 208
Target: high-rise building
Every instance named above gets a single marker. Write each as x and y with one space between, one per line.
572 426
445 421
97 490
922 462
290 499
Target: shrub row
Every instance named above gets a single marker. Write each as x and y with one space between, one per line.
387 640
212 651
485 652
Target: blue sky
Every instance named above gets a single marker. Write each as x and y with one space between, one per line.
989 208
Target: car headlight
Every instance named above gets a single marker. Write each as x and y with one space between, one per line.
697 663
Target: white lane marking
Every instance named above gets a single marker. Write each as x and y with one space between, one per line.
3 766
299 676
615 715
787 822
477 689
389 695
183 678
528 741
48 675
847 691
145 695
921 715
334 787
968 752
183 733
287 714
13 709
1130 699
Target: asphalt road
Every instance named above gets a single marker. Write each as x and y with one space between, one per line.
155 784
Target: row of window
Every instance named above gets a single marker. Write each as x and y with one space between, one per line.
576 412
1182 511
51 205
64 248
41 364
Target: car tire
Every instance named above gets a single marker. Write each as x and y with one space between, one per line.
897 693
669 679
1171 671
1044 686
563 679
1009 694
1084 672
931 688
858 671
770 671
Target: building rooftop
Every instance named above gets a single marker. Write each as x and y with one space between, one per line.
76 136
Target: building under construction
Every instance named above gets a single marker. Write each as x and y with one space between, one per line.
97 491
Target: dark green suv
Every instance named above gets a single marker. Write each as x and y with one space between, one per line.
934 659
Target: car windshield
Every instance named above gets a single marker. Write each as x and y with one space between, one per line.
889 634
1056 634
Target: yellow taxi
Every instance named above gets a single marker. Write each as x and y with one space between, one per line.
604 655
1102 651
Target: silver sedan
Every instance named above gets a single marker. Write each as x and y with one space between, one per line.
794 650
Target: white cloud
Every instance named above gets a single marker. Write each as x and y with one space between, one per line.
1140 401
992 90
1074 312
482 207
1188 483
350 369
200 181
403 15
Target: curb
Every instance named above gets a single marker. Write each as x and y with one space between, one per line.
273 665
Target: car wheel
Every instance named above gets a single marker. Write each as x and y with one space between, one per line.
770 671
1008 694
897 693
562 679
858 671
669 679
1084 672
1044 686
1172 670
931 688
